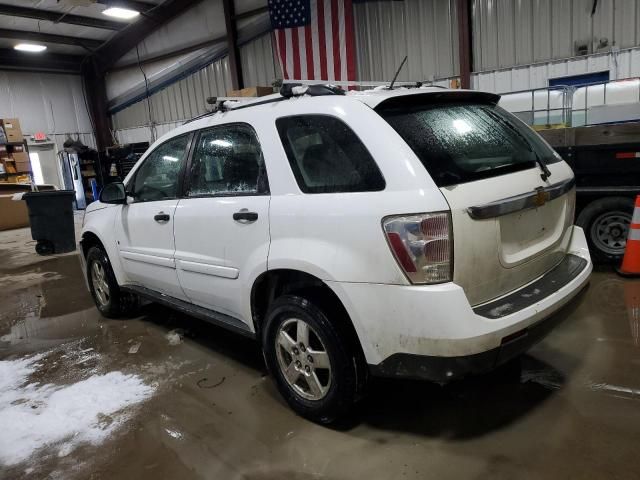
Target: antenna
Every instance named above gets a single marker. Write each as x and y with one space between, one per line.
397 72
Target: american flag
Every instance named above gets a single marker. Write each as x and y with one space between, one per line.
314 39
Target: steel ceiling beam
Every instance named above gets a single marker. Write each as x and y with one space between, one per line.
57 17
41 62
126 40
89 44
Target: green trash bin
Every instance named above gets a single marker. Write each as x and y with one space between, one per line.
51 218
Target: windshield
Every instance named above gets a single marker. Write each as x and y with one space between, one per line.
459 143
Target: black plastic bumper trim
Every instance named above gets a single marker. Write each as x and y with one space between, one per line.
216 318
556 278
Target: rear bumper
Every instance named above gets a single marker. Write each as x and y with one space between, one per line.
432 332
444 369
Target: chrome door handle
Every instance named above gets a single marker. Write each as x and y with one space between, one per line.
162 217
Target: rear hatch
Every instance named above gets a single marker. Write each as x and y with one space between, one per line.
511 196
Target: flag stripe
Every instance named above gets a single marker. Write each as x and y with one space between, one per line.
308 43
343 41
350 43
328 39
322 42
295 47
335 30
316 43
289 52
282 47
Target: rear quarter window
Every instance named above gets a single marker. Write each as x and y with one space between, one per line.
326 156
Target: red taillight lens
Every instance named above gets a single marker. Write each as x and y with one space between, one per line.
422 245
401 253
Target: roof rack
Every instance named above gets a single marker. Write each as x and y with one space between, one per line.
287 91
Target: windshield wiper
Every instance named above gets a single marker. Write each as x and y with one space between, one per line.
546 173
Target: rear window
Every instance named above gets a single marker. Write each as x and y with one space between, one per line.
459 143
326 156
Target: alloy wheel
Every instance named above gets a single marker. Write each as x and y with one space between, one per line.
303 359
100 285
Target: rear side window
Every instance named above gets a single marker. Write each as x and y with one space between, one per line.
460 143
326 156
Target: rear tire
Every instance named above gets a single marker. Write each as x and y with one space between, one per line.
109 299
335 372
606 224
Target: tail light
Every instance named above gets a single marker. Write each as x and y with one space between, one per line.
422 245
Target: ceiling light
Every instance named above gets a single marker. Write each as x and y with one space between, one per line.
123 13
30 47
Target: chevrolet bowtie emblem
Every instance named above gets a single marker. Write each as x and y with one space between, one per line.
541 197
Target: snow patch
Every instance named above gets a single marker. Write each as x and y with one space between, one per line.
34 415
174 337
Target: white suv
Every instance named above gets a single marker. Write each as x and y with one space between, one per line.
420 232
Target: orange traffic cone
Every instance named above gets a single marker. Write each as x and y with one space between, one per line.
631 261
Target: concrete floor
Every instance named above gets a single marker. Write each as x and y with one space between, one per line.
573 413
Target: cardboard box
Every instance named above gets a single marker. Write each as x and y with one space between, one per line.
12 214
10 167
251 92
12 129
20 157
23 167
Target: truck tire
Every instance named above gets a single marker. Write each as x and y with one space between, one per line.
106 293
606 225
314 364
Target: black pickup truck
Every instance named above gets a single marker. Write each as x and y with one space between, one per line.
606 162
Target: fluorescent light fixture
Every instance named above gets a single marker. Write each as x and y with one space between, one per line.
168 158
123 13
30 47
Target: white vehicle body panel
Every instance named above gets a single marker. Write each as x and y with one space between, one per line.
495 254
216 257
147 247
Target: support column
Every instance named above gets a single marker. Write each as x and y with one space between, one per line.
96 93
232 43
465 42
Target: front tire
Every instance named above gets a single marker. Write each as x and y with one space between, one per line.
312 359
606 224
106 293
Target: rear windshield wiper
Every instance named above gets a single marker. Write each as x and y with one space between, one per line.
546 173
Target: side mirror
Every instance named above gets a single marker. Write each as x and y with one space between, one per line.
114 193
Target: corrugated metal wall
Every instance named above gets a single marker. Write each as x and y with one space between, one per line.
259 65
520 32
425 30
623 64
45 102
187 98
179 101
